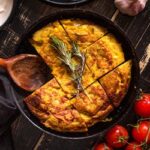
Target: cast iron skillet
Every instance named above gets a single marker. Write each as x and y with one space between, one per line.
117 115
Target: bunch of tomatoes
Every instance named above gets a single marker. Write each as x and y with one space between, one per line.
118 136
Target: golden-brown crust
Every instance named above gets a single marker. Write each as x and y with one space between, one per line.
55 104
54 110
33 104
104 55
97 96
82 31
116 83
98 117
60 114
42 43
66 121
93 104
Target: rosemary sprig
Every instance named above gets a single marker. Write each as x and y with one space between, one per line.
80 68
61 49
66 57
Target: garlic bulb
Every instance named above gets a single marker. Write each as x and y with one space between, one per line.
130 7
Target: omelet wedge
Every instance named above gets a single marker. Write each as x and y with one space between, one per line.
116 83
104 55
42 43
82 31
50 105
93 104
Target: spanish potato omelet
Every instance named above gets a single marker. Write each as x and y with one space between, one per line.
90 75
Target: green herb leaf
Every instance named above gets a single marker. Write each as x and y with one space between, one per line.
80 68
66 57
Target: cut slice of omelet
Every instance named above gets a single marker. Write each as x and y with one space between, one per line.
93 104
50 105
82 31
104 55
116 83
42 43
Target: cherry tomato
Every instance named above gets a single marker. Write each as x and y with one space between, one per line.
142 106
117 136
142 132
133 146
102 146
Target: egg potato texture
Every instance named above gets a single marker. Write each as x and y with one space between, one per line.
116 82
104 55
82 31
105 80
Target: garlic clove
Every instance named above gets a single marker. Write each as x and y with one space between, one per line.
130 7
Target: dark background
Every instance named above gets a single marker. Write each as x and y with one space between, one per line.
22 135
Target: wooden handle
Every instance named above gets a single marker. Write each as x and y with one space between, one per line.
3 63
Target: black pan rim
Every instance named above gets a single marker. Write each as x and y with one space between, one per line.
120 32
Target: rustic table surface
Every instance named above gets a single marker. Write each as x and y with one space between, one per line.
23 135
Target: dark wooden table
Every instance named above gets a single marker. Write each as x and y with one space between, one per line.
23 135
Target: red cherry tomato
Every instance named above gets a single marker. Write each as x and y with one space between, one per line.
102 146
117 136
142 132
142 106
133 146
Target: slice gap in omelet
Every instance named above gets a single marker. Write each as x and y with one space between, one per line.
54 103
109 99
104 55
60 21
66 82
51 106
83 31
93 104
42 44
117 82
111 70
